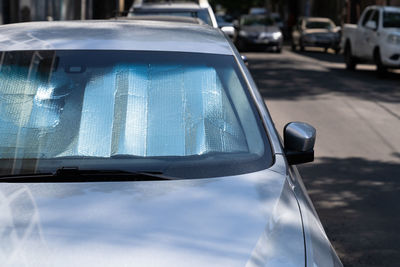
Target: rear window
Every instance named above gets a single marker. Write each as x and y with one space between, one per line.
184 114
198 13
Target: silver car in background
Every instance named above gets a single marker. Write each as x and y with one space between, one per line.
139 143
316 32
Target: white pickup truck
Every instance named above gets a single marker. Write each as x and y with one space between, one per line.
376 39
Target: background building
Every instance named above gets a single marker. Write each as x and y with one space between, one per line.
12 11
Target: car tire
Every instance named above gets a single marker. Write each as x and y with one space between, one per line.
349 59
293 46
380 68
278 50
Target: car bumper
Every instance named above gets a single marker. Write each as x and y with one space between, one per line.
267 42
390 56
322 43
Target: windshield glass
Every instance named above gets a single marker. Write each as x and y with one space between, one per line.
391 19
319 25
200 13
257 21
184 114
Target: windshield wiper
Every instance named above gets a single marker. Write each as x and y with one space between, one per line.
73 174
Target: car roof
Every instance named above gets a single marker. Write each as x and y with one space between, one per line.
391 9
185 6
114 35
182 19
170 3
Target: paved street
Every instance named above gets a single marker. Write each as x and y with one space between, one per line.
355 180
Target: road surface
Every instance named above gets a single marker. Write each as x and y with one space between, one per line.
355 179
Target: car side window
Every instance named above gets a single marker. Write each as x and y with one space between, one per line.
375 17
366 17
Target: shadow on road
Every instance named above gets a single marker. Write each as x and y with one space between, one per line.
279 78
321 55
358 203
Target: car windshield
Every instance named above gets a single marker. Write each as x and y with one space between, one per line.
391 19
319 25
258 21
186 115
200 13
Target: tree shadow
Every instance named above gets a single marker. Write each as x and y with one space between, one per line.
279 78
358 204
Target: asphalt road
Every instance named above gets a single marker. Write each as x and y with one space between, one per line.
355 179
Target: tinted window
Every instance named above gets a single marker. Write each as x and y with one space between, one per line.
391 19
257 21
184 114
375 17
319 25
367 16
200 13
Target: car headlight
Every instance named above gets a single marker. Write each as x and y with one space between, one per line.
394 39
276 35
243 33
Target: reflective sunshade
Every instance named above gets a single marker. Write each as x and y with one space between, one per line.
113 105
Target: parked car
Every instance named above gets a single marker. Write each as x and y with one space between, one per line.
145 143
376 38
226 26
316 32
198 9
258 31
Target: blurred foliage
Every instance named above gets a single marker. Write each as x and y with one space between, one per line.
238 6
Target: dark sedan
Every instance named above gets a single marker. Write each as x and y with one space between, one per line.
258 31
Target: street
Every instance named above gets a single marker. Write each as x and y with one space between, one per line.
355 180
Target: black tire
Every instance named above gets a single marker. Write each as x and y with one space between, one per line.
380 68
349 59
278 50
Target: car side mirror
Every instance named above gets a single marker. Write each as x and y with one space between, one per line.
299 141
371 25
229 30
245 60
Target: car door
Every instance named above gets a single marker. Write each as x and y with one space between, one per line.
360 48
372 35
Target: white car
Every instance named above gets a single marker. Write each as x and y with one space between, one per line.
140 143
376 38
199 9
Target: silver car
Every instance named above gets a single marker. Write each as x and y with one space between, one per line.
130 143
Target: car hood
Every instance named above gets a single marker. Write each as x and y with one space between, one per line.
260 29
318 31
247 220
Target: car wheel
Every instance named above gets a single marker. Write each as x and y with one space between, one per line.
380 68
278 49
348 58
293 46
